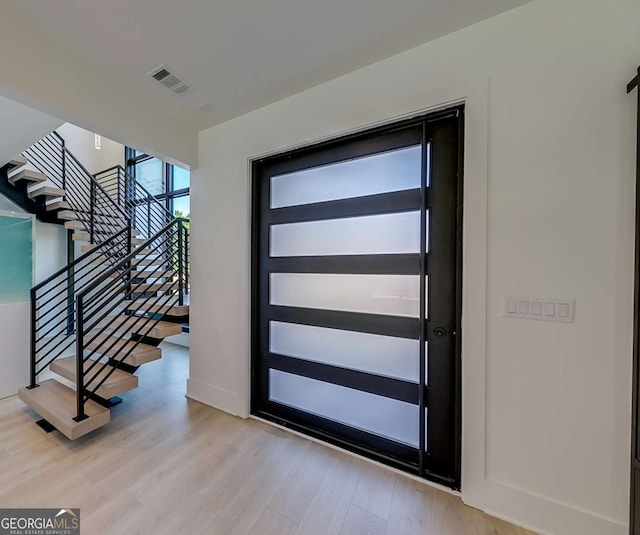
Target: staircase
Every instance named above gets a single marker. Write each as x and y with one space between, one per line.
101 317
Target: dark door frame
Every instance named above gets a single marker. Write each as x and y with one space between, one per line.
634 520
447 470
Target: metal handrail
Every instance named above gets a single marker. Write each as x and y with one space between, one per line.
133 196
97 301
138 185
133 255
66 283
83 193
78 260
82 295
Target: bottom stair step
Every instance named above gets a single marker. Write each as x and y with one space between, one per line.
118 382
56 403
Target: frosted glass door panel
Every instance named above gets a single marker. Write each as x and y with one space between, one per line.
379 234
382 173
395 295
390 418
372 353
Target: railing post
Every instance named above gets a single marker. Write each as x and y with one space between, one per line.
80 390
149 216
92 202
180 259
130 249
118 178
133 205
70 281
32 367
186 260
64 164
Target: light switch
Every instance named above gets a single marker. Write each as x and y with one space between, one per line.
535 308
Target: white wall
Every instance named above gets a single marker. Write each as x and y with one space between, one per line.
81 143
549 189
21 127
35 74
50 250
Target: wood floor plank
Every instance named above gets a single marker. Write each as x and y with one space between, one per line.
375 490
295 494
108 516
408 513
361 522
328 509
169 465
271 522
242 509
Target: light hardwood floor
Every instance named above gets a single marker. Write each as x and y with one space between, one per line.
169 465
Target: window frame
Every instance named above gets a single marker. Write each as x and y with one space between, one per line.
169 194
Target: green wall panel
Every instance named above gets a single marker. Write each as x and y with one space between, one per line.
16 259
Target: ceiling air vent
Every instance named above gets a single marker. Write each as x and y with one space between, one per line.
169 80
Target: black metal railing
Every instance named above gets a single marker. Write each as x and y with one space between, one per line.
101 216
147 214
53 303
111 289
127 298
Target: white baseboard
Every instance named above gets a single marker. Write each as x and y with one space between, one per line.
216 397
537 513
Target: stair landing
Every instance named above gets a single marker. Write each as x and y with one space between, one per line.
56 403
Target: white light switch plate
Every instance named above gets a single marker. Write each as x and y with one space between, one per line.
535 308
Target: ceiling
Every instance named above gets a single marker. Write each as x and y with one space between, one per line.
238 54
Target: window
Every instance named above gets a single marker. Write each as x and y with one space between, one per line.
168 183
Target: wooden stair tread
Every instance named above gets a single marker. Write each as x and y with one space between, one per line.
81 236
145 262
139 325
141 305
17 162
44 190
68 215
154 287
29 176
74 224
57 205
90 247
159 274
153 274
145 252
117 383
56 403
140 353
